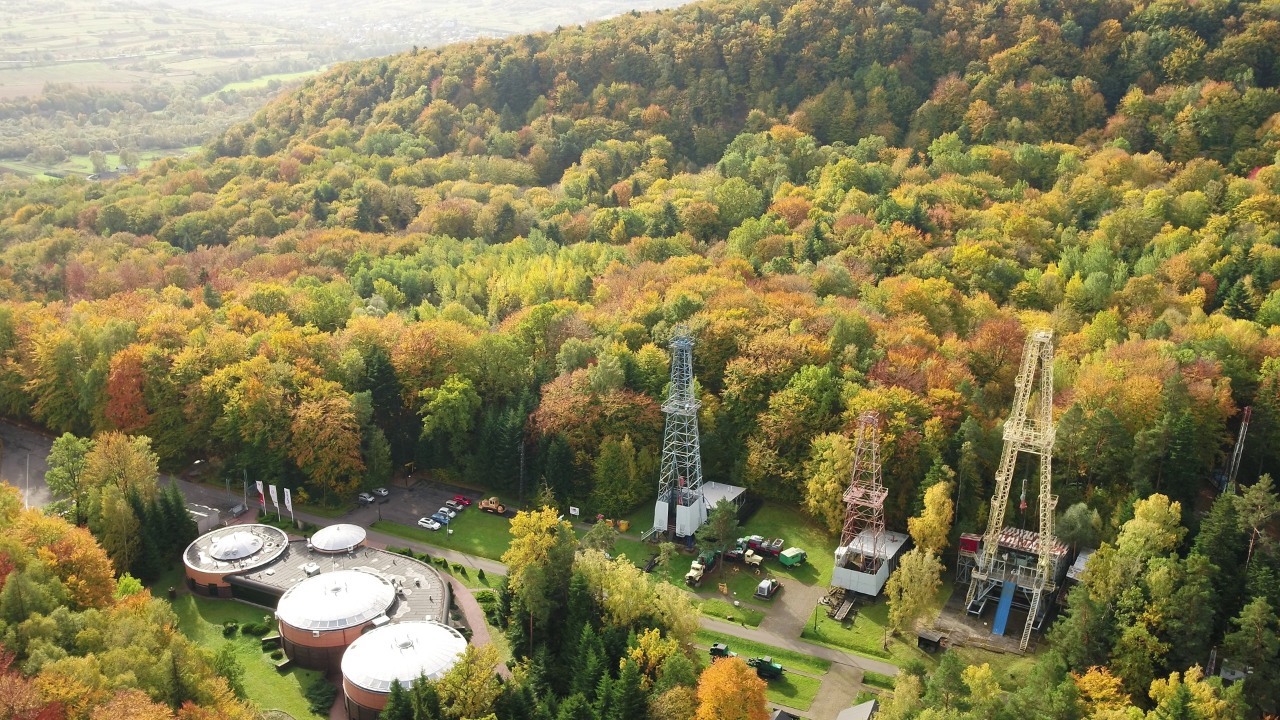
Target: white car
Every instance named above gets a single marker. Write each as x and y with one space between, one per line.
364 498
448 512
381 492
428 523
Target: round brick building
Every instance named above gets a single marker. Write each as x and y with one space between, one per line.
321 615
398 653
215 556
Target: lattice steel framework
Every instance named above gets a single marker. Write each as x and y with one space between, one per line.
680 479
1033 433
864 499
1238 451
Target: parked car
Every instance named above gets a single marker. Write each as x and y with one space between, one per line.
454 505
442 519
428 523
450 513
364 498
462 500
381 492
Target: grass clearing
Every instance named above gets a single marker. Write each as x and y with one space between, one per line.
201 619
864 635
717 608
797 691
472 580
787 522
789 659
265 81
474 532
875 679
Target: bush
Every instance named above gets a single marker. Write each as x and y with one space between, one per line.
400 551
444 563
480 574
257 629
277 654
229 628
425 558
460 569
321 694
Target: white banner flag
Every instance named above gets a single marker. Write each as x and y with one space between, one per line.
262 499
288 500
275 499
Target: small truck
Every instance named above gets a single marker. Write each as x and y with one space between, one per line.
770 547
765 667
701 565
792 556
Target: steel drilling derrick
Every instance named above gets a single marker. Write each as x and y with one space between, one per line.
681 508
864 498
1028 430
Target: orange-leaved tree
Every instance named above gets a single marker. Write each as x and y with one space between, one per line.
730 690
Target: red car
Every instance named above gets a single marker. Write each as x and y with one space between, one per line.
461 499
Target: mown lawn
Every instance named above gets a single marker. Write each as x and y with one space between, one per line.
747 648
201 619
726 611
792 690
790 524
865 634
474 532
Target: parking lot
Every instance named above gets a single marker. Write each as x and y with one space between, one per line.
406 506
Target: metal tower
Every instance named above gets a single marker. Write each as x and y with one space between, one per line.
864 499
1023 433
681 507
1239 450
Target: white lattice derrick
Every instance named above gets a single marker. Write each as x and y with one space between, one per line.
1028 430
680 476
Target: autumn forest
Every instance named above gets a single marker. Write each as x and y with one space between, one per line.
470 260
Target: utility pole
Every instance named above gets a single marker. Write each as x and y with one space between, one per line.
26 496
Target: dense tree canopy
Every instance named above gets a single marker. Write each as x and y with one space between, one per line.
471 260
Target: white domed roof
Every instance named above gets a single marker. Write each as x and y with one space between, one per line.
335 600
237 545
338 538
236 548
402 652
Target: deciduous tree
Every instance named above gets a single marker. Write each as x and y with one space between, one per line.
931 528
730 690
911 588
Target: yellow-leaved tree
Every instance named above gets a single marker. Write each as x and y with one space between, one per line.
930 528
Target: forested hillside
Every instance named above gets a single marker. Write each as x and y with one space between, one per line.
446 257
